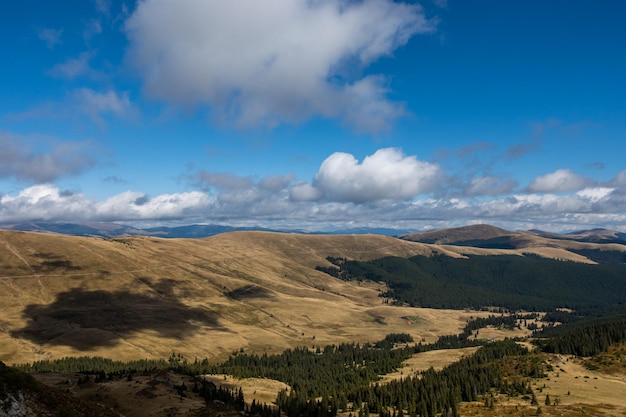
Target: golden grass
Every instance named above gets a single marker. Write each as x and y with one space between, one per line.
148 297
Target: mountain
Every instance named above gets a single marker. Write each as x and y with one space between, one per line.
593 244
76 229
593 236
385 231
133 297
101 229
145 296
136 297
458 235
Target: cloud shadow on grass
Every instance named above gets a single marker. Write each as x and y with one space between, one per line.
248 292
90 319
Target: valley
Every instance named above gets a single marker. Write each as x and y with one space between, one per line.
259 293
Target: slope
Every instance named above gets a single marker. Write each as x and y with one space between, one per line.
148 297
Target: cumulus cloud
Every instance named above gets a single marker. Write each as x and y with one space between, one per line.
42 160
304 191
619 180
133 205
43 202
276 182
49 203
558 181
273 62
301 205
387 174
234 189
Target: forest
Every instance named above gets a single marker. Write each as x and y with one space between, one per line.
344 378
327 380
529 283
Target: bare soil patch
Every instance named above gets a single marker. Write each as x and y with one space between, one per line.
262 390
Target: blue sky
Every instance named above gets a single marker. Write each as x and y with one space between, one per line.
314 114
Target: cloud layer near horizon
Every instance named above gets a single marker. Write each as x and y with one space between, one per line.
273 62
387 188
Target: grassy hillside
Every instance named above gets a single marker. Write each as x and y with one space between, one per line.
147 297
593 246
136 297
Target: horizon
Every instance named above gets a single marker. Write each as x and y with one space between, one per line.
385 231
315 115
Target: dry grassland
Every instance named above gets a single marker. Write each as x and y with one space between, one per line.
262 390
574 392
146 297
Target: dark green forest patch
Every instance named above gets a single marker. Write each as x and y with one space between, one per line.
512 282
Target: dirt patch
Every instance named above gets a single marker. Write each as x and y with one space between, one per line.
262 390
436 359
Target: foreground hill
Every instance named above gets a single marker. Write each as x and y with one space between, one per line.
148 297
134 297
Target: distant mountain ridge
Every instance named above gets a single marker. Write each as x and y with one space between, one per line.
111 230
598 235
479 235
491 237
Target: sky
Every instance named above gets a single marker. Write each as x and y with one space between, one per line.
314 114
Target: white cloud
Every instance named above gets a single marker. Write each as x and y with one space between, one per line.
595 194
304 192
42 159
237 190
619 180
275 61
49 203
73 67
387 174
96 104
489 185
558 181
51 37
301 205
43 202
276 182
132 205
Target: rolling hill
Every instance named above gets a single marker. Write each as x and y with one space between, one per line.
596 246
136 297
148 297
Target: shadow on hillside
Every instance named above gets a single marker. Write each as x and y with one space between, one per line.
248 291
90 319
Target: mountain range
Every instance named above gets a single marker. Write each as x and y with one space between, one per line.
116 295
482 235
103 229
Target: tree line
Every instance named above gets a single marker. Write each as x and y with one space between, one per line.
583 337
512 282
